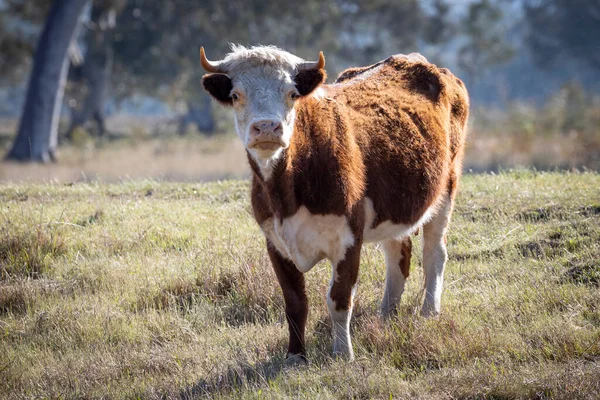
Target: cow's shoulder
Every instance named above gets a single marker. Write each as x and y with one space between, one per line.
325 159
357 73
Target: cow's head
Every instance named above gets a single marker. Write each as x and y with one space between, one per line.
262 85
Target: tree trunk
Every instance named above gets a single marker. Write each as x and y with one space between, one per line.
96 72
97 68
38 130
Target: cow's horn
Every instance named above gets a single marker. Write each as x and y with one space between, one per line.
313 64
210 66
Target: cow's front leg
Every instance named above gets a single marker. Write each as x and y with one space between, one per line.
296 304
340 300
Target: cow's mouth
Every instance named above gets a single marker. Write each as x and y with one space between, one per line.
267 145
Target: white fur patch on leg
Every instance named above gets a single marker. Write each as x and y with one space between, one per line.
434 258
340 321
340 325
394 279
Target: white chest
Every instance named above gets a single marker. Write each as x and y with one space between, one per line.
306 238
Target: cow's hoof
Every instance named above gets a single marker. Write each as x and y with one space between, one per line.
295 360
344 355
388 312
429 313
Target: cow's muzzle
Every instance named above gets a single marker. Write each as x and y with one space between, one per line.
266 135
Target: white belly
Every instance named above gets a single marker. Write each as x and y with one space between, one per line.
306 238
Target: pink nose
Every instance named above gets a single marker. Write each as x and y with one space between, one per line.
268 127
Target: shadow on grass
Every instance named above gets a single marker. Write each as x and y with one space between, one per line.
235 378
243 376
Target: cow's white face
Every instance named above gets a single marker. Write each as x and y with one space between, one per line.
262 85
263 103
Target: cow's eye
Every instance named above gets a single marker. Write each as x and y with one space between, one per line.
235 96
294 95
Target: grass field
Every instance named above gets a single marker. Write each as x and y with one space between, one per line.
147 289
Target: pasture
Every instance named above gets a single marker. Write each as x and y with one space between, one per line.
150 289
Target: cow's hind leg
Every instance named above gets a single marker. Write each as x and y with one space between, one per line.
296 303
435 256
340 301
397 262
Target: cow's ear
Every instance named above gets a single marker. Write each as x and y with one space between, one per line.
308 80
219 86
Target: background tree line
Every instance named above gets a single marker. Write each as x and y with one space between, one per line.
113 49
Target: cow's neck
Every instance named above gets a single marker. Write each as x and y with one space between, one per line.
321 169
277 189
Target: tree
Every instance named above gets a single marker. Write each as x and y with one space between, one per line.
156 43
20 24
486 43
94 74
564 27
37 137
153 48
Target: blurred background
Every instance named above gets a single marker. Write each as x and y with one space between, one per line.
111 89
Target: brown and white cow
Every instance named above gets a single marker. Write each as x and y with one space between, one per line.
370 158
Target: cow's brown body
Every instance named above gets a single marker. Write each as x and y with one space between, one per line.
393 132
378 152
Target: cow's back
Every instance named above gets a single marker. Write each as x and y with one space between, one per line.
409 118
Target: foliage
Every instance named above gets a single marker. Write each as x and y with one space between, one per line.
156 43
164 290
486 43
564 28
20 23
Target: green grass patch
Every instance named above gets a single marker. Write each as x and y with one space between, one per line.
147 289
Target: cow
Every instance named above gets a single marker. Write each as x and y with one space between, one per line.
372 157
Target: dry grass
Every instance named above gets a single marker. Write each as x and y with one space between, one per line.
563 133
146 289
191 158
194 158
